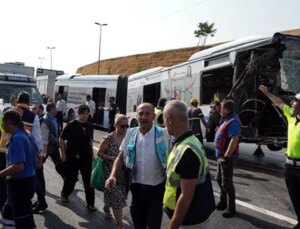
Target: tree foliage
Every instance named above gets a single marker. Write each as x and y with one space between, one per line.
204 29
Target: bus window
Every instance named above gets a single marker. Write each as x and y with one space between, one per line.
151 93
8 90
216 84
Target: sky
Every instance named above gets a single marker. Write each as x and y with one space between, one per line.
134 26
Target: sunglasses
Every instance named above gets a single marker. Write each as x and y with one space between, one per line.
124 126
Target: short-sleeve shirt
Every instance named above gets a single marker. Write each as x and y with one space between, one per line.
22 149
78 136
293 146
92 106
147 169
234 129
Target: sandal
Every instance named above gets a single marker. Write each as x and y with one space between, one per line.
108 215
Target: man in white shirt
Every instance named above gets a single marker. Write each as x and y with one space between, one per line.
89 102
61 107
144 153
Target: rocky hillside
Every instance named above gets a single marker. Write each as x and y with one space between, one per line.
128 65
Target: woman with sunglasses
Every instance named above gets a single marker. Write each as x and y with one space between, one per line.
114 198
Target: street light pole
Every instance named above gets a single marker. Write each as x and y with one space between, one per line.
97 23
51 48
41 58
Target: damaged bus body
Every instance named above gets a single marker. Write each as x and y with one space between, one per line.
235 70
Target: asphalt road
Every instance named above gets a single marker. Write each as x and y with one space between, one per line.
262 199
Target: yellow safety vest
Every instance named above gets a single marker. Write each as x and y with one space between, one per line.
157 112
201 213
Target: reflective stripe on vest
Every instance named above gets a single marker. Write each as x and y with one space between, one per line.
160 144
173 178
200 211
157 112
221 138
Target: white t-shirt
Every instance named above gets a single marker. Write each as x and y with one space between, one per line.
147 169
61 106
92 107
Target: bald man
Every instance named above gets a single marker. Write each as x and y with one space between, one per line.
143 153
188 199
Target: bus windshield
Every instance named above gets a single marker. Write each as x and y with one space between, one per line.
290 65
6 91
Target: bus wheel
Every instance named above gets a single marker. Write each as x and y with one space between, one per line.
134 123
274 147
71 116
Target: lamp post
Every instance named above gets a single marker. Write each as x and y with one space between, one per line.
41 58
100 25
51 48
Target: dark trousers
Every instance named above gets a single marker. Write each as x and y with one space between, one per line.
55 157
60 119
146 205
292 180
73 166
224 178
18 207
40 186
3 188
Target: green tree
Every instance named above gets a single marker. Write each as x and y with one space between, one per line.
204 30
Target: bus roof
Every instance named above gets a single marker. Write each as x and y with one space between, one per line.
231 46
147 72
87 77
16 78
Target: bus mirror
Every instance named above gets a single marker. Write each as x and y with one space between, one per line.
1 102
134 108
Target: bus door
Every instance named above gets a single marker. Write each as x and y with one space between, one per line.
151 93
98 96
63 90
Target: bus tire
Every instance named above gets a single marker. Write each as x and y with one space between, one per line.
134 123
71 116
274 147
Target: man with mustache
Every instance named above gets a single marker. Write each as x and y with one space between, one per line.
143 153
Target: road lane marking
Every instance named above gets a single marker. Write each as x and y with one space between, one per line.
257 209
264 211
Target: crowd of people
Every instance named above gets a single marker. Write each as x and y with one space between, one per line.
162 162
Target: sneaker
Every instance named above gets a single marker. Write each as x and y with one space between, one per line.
64 199
221 206
229 214
40 208
91 208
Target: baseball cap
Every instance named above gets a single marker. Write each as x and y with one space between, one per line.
111 98
194 100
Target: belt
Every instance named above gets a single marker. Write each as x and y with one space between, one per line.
147 187
292 162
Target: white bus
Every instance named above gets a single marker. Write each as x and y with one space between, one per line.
233 70
75 88
12 84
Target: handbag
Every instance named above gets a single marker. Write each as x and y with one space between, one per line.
98 176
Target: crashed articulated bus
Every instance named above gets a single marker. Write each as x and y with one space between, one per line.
233 70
